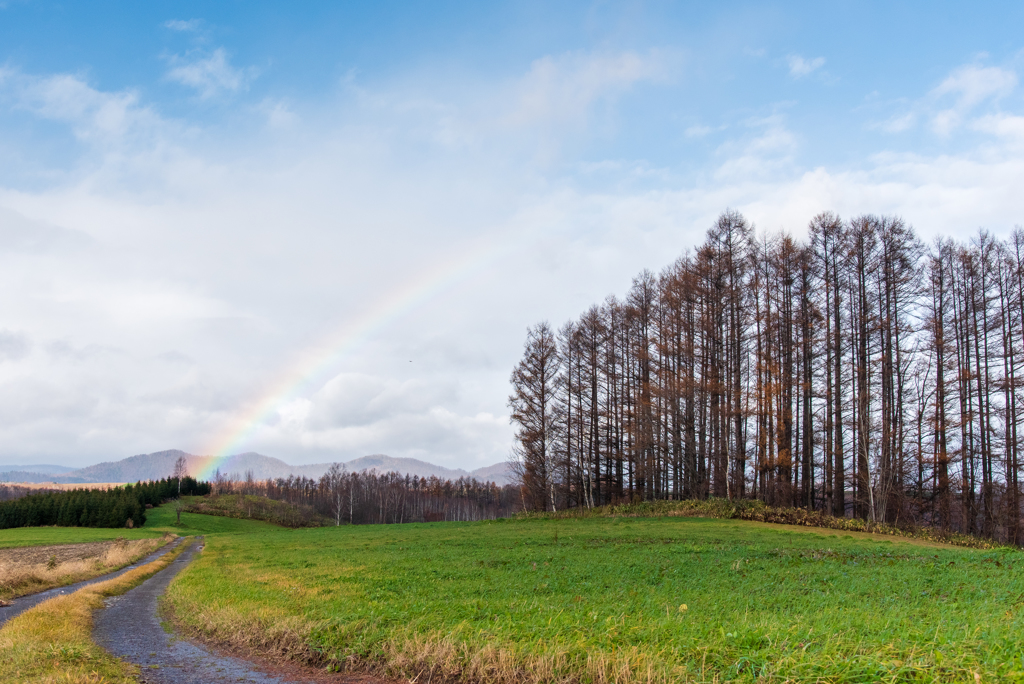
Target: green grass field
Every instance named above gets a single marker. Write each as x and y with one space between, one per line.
612 600
45 536
158 521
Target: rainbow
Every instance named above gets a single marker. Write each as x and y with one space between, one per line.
320 363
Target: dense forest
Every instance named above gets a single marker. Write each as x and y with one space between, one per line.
115 507
858 372
370 497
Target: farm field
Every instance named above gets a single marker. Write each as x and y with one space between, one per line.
30 569
611 600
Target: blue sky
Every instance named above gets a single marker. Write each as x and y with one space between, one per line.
722 64
199 203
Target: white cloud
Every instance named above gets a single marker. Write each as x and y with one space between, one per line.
20 234
955 103
278 112
768 151
969 86
899 123
209 75
13 346
152 298
92 114
563 89
560 99
973 84
1007 126
800 67
697 131
293 414
183 25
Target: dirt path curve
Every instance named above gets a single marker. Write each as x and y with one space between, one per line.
22 603
130 627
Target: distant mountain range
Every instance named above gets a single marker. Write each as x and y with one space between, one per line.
161 464
39 468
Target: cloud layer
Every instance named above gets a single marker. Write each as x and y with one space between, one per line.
353 272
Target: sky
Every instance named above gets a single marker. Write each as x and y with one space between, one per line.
320 230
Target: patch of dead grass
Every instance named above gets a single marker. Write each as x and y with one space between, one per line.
446 658
281 638
438 658
38 568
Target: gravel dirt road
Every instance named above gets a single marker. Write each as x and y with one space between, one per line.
130 627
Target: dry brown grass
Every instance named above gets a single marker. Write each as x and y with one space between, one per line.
275 637
37 568
52 642
439 658
450 659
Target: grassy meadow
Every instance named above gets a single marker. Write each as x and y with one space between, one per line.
611 600
46 536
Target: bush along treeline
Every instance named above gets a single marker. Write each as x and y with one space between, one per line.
116 507
858 373
370 497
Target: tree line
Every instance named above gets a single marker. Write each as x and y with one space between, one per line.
371 497
9 492
858 372
116 507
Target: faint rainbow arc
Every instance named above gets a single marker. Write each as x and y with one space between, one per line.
317 364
